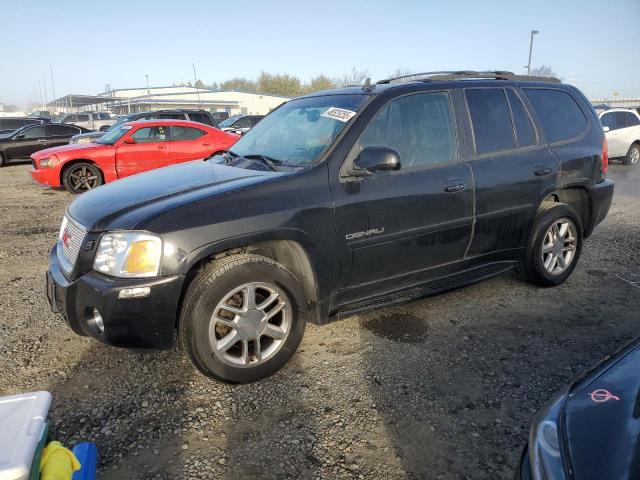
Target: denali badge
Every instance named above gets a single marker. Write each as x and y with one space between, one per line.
366 233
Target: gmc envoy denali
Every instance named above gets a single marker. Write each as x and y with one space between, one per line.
336 202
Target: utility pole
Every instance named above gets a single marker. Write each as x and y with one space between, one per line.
533 32
195 82
53 88
44 89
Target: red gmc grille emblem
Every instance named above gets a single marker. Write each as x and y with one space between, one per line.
66 238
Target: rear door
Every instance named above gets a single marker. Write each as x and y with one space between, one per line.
149 151
189 143
60 134
507 159
395 226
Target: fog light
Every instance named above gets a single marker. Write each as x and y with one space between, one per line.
97 318
134 292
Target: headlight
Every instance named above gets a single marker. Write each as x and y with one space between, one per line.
545 449
45 163
128 254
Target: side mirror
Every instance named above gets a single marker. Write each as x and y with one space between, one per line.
606 129
377 159
130 140
19 137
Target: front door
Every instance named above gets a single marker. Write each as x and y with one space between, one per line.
149 151
394 227
28 141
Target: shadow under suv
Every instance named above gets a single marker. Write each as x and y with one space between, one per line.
336 202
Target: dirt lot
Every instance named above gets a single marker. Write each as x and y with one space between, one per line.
441 388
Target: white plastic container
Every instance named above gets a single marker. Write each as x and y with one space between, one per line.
22 423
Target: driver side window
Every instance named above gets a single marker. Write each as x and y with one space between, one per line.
150 134
419 127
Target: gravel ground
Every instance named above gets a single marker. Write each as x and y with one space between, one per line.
440 388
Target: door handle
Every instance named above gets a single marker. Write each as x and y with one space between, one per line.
205 144
161 147
542 171
42 140
454 187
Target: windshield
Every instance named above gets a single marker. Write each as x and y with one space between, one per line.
113 135
301 130
228 122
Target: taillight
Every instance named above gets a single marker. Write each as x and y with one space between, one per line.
605 156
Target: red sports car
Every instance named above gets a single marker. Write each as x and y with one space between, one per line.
133 147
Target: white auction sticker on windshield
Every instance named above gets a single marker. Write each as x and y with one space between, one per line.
341 114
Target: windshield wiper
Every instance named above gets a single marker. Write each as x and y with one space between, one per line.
272 163
228 156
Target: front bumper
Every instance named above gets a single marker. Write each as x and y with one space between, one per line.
45 176
601 198
144 323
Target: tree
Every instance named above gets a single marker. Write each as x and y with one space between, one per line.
199 83
239 84
354 77
400 72
543 71
319 83
279 84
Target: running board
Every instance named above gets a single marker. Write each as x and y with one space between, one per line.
427 289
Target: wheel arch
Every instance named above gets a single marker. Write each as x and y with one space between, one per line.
70 163
289 252
579 199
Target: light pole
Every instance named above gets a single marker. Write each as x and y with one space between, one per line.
533 32
53 88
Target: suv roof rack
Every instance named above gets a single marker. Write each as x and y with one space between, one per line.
468 75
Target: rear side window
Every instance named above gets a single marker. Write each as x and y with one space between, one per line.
185 133
632 120
560 115
620 119
82 118
419 127
200 117
34 132
525 134
491 120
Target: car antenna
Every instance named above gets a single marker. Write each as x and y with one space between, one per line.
367 84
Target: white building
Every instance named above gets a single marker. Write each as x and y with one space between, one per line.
131 100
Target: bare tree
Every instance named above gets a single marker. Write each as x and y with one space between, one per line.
543 71
354 77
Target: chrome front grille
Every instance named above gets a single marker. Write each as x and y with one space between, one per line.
71 236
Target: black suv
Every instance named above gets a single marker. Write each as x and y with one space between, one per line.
336 202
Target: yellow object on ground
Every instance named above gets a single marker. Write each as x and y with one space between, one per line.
57 462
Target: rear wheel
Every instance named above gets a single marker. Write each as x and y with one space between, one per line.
554 245
3 161
633 155
81 177
241 319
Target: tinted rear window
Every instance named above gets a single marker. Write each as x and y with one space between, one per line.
560 115
525 134
491 120
632 120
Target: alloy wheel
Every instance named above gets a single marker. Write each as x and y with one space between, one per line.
634 155
250 324
559 246
82 178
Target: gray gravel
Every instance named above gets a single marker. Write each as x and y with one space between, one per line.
441 388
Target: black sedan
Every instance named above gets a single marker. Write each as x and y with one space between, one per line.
27 140
591 429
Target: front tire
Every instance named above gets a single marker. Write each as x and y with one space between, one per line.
243 317
81 177
633 155
554 245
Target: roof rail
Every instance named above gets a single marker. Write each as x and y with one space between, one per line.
469 75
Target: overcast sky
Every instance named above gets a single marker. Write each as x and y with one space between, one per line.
592 44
